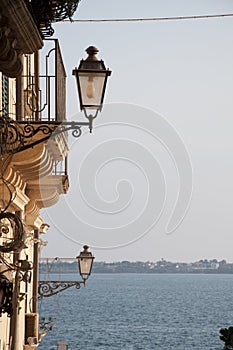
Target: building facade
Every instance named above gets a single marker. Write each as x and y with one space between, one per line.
30 174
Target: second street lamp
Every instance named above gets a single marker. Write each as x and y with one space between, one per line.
52 287
85 262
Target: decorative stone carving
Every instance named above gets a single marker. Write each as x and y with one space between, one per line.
29 175
18 35
22 25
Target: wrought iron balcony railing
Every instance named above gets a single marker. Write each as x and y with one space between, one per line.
45 93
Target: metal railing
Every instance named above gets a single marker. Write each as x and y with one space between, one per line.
45 94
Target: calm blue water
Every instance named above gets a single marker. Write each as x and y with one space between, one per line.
141 312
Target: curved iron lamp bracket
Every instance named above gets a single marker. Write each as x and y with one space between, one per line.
48 289
17 136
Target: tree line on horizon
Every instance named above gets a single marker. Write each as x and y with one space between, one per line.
161 266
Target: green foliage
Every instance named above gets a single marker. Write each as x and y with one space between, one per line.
65 9
45 12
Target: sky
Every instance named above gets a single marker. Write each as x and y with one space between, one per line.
154 179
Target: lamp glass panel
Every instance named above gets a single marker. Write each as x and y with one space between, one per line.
91 85
85 265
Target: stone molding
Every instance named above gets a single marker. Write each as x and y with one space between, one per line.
18 35
23 26
29 174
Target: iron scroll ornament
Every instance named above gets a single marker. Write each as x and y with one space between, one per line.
11 220
17 136
50 288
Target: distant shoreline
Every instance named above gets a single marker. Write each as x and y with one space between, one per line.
160 267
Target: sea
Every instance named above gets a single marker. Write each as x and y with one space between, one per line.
140 312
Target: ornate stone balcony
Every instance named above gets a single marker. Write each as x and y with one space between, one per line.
31 183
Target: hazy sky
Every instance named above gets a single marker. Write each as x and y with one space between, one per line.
164 133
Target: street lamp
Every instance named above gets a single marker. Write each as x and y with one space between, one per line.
85 262
91 77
